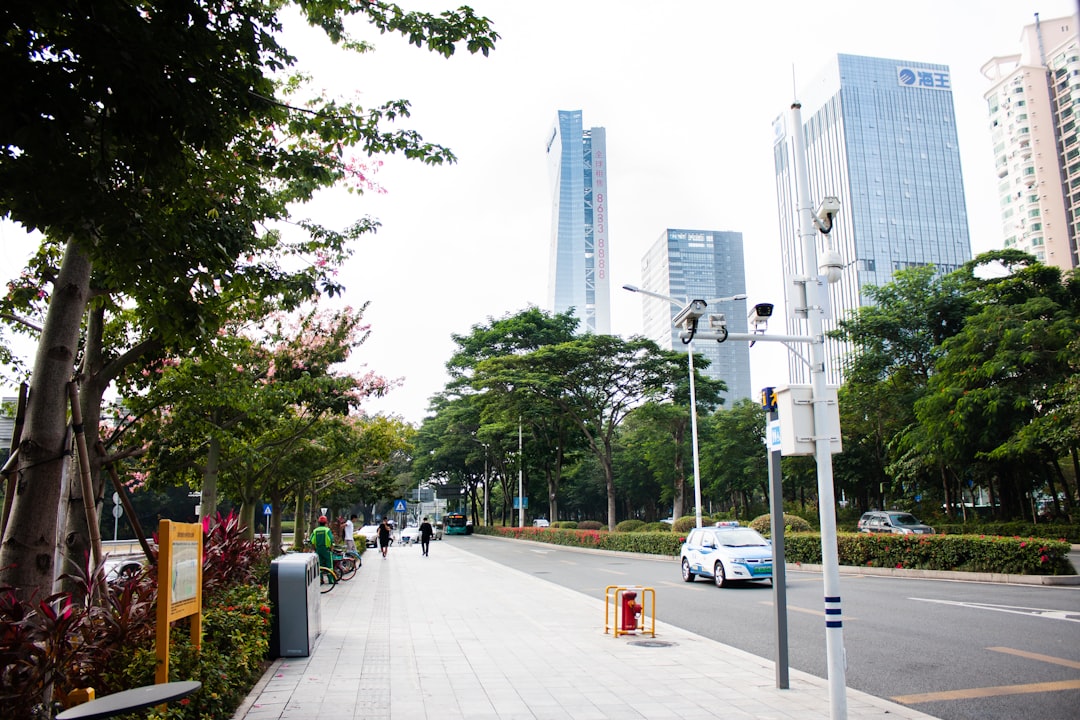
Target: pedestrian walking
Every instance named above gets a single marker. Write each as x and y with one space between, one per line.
322 539
384 537
426 531
350 543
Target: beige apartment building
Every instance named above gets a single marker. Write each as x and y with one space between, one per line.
1033 110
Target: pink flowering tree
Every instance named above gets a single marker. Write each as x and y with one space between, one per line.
153 168
227 420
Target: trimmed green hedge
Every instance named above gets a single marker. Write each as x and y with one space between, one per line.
1062 531
966 553
652 543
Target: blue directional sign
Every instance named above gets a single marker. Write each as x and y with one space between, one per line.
399 506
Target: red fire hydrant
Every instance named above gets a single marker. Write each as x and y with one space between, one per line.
630 611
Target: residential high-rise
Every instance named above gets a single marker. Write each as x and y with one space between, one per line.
881 136
700 264
579 274
1031 102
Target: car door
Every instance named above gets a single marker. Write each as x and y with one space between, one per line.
693 549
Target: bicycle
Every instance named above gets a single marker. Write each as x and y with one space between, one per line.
345 562
328 579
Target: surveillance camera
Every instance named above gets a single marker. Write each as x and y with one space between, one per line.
689 315
760 313
759 317
717 321
826 212
831 265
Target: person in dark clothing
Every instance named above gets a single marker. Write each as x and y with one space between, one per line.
426 531
384 537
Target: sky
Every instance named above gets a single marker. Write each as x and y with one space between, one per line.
687 91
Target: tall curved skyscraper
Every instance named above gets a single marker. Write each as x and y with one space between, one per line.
579 266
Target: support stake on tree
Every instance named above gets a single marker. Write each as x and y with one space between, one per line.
84 473
125 500
12 463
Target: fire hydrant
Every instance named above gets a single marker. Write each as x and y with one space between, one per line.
630 611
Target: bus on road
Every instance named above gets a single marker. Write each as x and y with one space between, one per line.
456 524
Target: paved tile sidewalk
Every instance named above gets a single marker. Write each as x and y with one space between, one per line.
453 636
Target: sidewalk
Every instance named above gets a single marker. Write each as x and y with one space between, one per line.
453 636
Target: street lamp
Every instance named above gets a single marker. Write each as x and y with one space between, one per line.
813 302
687 317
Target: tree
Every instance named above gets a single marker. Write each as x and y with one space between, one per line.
594 380
153 161
734 459
897 341
1001 373
673 418
551 437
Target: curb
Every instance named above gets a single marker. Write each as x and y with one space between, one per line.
1000 578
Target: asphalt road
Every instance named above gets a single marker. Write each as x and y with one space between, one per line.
955 650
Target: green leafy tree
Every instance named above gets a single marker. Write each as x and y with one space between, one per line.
673 420
551 436
734 459
1001 373
594 380
152 161
897 341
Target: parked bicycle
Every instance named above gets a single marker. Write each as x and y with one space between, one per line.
346 562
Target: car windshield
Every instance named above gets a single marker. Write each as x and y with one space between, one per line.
742 537
904 519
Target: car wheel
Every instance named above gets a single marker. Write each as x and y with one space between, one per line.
718 575
687 574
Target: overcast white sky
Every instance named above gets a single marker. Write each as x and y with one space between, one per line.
687 91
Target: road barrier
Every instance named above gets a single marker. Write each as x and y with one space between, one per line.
625 614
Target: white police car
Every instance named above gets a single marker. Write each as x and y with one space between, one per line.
725 553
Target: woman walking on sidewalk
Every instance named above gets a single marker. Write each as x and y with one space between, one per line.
384 536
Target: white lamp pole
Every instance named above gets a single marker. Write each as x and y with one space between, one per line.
693 435
830 562
693 391
521 468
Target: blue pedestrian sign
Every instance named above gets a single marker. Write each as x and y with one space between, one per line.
399 506
266 509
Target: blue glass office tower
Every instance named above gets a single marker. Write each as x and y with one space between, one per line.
580 259
880 135
700 264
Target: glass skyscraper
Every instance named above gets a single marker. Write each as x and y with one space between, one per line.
700 264
579 266
881 136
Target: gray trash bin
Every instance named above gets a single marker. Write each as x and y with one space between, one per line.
295 619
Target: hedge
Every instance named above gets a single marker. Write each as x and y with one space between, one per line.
652 543
1063 531
967 553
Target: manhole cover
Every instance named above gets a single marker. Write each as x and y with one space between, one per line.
651 643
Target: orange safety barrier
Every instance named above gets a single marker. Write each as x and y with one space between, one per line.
625 612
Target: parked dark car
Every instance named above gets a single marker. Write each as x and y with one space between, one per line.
893 521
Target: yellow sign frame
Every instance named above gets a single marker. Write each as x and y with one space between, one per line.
180 559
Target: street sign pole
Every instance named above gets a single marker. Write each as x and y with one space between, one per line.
776 534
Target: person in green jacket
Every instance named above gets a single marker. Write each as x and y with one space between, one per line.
322 539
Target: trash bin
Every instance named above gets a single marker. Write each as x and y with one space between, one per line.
295 619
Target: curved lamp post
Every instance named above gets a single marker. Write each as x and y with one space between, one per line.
690 311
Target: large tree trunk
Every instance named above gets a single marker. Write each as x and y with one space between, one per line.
27 560
678 504
208 502
75 542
